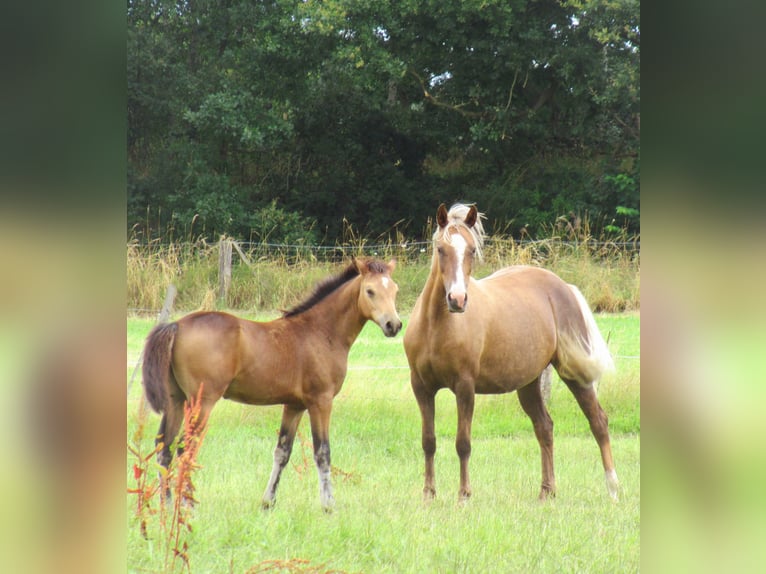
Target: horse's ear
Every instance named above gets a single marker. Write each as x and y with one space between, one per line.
391 265
441 216
471 217
358 264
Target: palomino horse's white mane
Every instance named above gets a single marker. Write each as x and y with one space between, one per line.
456 216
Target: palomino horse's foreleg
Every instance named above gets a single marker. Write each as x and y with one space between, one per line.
464 393
532 402
426 403
291 416
586 398
320 433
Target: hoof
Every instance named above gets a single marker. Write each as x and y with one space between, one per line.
546 494
267 504
328 504
613 485
429 494
166 498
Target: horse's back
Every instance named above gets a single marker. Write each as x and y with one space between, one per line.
208 320
208 332
539 289
524 277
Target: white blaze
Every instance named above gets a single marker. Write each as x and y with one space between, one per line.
458 281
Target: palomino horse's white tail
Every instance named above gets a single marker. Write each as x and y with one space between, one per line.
583 357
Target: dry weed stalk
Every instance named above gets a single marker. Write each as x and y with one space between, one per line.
306 463
291 566
175 522
147 484
194 430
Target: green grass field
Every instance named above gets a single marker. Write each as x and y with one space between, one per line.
380 523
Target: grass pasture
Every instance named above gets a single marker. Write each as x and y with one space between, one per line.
380 523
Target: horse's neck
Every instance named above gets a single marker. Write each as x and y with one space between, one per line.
434 295
338 315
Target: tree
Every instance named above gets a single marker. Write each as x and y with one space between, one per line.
375 112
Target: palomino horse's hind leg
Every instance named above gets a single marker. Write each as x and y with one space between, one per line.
531 399
291 416
586 398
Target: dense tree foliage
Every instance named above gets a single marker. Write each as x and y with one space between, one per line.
276 120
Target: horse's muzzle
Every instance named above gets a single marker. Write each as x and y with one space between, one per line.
391 328
457 303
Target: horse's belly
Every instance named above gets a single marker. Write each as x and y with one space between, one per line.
494 387
233 393
505 381
256 393
503 372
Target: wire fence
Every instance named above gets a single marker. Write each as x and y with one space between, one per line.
405 250
628 245
416 249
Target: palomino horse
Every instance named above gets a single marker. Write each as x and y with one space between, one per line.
498 335
298 360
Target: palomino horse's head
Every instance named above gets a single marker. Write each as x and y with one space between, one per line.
457 242
377 295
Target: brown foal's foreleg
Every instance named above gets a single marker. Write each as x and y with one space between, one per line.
319 414
464 393
599 426
531 400
426 403
291 417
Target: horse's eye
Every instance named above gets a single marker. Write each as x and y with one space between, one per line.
440 250
370 293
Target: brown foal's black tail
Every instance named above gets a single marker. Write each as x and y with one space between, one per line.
156 368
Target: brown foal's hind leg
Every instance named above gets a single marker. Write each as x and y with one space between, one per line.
171 422
586 398
532 402
291 417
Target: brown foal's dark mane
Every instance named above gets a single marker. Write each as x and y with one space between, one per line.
323 289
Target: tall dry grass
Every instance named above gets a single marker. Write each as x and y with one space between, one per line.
273 278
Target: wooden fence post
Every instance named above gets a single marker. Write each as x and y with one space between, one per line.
224 268
167 306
